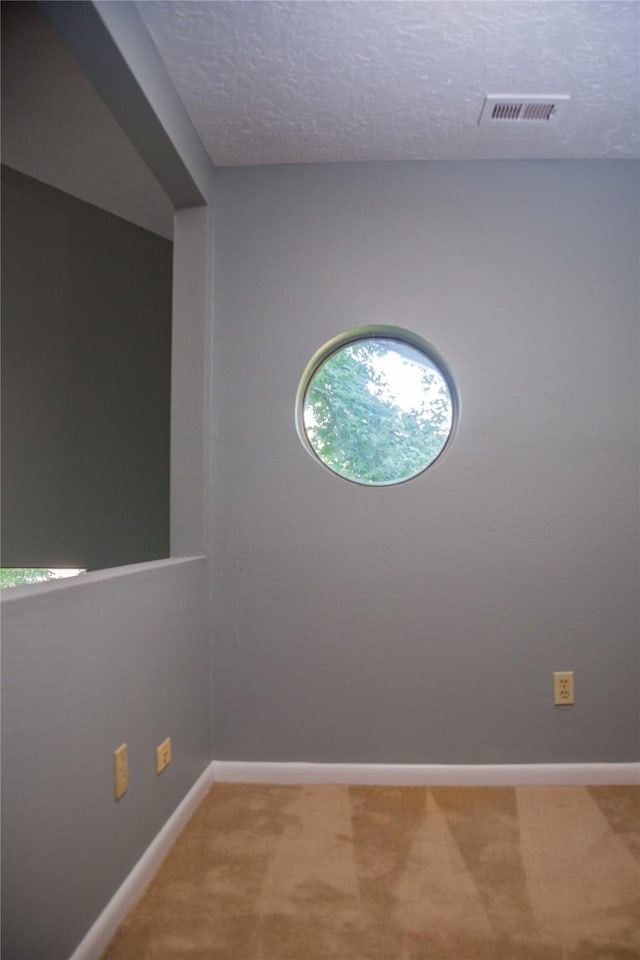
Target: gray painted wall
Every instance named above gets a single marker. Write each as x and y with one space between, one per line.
110 658
56 128
119 655
86 338
422 623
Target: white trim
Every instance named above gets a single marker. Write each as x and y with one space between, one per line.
408 774
127 895
27 591
99 935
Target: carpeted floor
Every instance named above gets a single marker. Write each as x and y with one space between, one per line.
403 873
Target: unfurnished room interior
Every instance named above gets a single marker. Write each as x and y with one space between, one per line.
320 529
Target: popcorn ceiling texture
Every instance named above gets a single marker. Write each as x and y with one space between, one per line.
290 82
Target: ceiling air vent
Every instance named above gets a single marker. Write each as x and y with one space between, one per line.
509 108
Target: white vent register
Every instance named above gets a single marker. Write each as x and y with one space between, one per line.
525 108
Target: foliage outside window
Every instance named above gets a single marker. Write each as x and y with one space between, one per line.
18 576
377 409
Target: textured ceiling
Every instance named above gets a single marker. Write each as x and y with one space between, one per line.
304 81
286 82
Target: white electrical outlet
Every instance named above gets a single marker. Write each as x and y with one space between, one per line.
563 688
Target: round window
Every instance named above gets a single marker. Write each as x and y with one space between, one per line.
376 406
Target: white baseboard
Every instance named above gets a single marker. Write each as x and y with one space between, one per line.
105 927
96 940
408 774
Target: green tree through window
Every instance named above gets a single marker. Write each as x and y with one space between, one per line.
18 576
377 411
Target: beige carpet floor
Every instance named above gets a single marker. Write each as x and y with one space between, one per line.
403 873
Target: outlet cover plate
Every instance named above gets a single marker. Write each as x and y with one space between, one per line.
120 771
163 755
563 693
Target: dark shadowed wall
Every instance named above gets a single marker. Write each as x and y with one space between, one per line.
86 343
